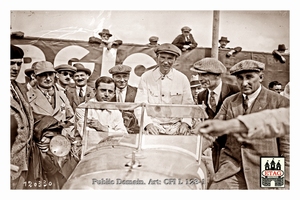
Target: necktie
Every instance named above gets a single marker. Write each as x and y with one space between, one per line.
246 103
48 94
81 92
120 98
212 101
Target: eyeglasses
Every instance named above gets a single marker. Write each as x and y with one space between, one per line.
16 62
67 73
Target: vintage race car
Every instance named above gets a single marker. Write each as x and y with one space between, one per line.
140 161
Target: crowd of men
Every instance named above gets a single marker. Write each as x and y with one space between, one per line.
47 106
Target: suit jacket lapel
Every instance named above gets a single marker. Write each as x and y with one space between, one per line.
89 93
260 102
129 94
224 92
76 99
237 106
42 102
58 102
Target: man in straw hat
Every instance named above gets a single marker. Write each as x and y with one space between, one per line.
165 85
124 93
239 165
185 41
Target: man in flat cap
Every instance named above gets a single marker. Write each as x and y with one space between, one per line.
153 41
165 85
47 101
124 93
210 72
81 92
239 163
64 76
21 123
185 41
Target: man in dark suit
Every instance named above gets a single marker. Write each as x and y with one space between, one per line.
125 93
210 71
239 163
185 41
21 127
81 92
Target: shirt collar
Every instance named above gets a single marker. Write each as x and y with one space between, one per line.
158 75
254 95
60 87
45 90
95 100
123 90
78 88
218 89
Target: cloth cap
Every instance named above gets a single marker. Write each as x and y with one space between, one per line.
281 47
29 71
224 39
65 67
247 65
95 40
120 69
195 83
168 48
186 28
16 52
209 65
153 39
80 68
105 31
42 67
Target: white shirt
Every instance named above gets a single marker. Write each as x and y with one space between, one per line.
252 96
78 90
155 88
111 118
217 92
123 94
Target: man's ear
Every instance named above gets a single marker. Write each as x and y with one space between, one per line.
261 77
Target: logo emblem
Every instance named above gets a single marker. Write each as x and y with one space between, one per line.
272 172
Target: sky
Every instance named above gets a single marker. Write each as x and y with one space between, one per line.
253 30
